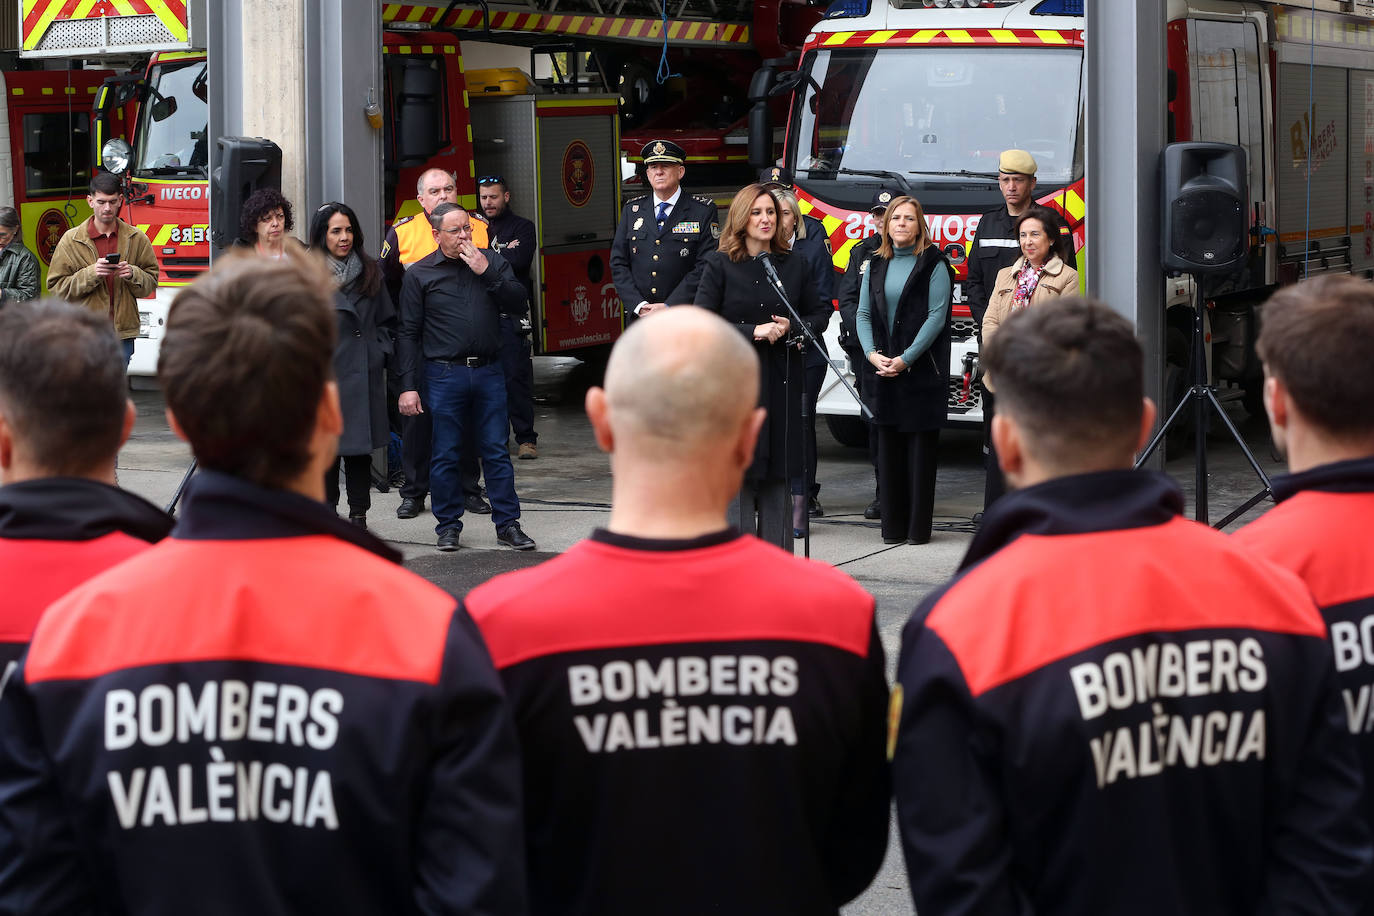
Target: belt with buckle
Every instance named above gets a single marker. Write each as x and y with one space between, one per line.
467 362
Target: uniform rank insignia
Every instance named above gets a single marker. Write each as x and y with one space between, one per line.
689 227
386 249
684 252
894 717
639 222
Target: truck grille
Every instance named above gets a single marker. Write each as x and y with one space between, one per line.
956 388
962 328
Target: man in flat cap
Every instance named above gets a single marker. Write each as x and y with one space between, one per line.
995 246
662 236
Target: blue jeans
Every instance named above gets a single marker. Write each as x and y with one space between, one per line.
128 352
460 396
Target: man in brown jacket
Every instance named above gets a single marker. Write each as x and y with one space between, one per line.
105 264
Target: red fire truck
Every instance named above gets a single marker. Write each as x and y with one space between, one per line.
924 94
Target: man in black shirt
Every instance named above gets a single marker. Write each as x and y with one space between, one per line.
450 332
516 239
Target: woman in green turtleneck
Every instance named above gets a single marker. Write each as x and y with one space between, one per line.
903 324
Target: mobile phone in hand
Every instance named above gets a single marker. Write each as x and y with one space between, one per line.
112 258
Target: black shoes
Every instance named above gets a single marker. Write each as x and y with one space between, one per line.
510 536
410 507
360 520
448 540
814 507
873 512
473 502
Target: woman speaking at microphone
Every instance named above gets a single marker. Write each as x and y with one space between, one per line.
903 325
735 284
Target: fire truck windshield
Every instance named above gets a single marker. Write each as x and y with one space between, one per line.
173 122
943 114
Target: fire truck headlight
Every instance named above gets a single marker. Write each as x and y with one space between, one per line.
114 155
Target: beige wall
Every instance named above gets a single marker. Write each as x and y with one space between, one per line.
273 90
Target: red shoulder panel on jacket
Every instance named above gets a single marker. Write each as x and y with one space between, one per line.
1323 537
1045 598
599 596
36 573
310 602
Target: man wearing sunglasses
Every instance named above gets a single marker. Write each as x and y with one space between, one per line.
517 240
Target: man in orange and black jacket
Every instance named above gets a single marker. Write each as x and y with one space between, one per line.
701 714
64 413
1315 339
1112 709
264 713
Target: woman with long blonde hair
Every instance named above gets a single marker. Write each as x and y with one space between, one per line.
903 325
736 285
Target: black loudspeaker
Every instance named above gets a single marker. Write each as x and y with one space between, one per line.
245 164
1205 225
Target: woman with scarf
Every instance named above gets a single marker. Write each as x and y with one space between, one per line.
903 325
1038 275
366 318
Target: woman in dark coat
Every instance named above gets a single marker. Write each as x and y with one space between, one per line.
366 318
735 285
903 326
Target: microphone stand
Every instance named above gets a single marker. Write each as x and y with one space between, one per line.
807 335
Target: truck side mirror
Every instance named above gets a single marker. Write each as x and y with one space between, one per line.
244 165
419 118
760 118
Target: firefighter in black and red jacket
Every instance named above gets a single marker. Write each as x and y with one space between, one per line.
1315 343
701 713
1112 709
264 713
64 413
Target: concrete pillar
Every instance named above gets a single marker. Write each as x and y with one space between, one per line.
1126 81
273 62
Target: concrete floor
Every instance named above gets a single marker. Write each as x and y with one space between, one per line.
566 492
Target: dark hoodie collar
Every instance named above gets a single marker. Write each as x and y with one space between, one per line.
630 542
1353 476
1080 504
221 507
77 509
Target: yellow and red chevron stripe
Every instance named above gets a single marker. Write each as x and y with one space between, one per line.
1067 38
39 15
619 27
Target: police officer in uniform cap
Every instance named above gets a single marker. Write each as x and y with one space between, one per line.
662 236
994 247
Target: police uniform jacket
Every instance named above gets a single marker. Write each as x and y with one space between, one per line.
411 238
915 400
56 533
848 294
652 266
365 323
1320 530
994 247
815 251
742 294
262 714
515 237
699 737
449 312
1112 709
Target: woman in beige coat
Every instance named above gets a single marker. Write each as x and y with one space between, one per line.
1039 274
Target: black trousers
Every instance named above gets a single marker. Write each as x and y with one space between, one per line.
357 471
815 377
994 484
518 367
907 463
764 508
859 381
417 447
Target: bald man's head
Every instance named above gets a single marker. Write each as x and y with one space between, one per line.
682 381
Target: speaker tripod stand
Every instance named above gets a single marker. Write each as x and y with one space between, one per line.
1200 395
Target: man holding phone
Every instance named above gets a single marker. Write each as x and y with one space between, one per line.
105 264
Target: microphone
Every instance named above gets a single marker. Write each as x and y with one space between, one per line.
770 270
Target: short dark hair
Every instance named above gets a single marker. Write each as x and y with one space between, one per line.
436 216
105 183
62 385
1071 374
260 203
9 218
1316 338
1061 245
244 362
371 279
